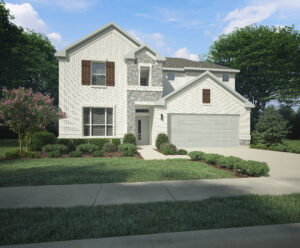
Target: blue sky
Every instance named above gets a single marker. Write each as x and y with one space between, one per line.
174 28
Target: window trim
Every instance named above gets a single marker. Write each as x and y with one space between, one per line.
105 124
99 62
150 73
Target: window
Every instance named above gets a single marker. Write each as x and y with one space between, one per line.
144 75
98 73
225 77
171 76
205 96
139 129
142 110
97 121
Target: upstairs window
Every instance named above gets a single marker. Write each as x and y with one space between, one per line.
205 96
144 75
97 121
225 78
171 76
98 73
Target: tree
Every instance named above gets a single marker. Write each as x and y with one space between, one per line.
269 62
27 58
24 112
270 128
289 115
296 125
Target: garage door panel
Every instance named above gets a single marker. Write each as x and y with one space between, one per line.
204 130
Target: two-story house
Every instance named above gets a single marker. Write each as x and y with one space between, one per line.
111 84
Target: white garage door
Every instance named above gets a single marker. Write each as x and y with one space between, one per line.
195 130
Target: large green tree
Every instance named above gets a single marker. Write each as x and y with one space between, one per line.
27 58
269 62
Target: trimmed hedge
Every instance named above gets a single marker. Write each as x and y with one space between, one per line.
54 154
40 139
128 150
161 139
87 148
129 138
12 154
247 167
181 152
62 149
116 142
109 147
168 149
73 143
75 154
98 154
100 142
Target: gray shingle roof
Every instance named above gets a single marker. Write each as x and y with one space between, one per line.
181 63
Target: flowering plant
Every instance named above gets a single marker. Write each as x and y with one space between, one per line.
24 111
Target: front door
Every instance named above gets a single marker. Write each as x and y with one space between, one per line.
142 130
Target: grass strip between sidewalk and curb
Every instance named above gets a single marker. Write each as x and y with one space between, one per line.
31 225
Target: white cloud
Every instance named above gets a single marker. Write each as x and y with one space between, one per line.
26 16
55 37
185 53
257 11
70 5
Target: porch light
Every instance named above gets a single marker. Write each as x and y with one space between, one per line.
162 117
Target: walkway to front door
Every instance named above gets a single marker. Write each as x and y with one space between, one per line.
142 130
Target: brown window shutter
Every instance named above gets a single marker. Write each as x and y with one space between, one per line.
206 96
110 73
86 72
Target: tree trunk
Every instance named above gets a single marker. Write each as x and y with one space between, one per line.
20 144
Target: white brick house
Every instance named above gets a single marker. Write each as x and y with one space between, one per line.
111 84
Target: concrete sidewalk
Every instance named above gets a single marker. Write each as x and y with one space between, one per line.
149 153
274 236
141 192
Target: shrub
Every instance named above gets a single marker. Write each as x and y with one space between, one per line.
98 154
280 147
31 155
161 139
75 154
71 143
116 142
54 154
87 148
196 155
62 149
212 158
168 149
128 150
109 147
40 139
259 146
129 138
231 162
100 142
181 152
12 154
253 168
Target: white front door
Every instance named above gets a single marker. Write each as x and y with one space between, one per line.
142 130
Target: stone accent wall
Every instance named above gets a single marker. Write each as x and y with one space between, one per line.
136 95
245 142
133 69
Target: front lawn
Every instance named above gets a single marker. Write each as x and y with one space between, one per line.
47 171
292 143
7 145
30 225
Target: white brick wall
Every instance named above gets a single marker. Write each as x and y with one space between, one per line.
112 46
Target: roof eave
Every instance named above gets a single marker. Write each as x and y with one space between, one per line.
200 69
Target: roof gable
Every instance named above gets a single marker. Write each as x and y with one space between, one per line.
63 52
162 101
132 54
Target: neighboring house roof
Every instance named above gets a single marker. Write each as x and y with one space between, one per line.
131 55
63 52
248 104
186 64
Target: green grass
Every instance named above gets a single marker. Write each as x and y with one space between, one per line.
292 143
7 144
30 225
47 171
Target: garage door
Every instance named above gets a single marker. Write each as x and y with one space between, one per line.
193 130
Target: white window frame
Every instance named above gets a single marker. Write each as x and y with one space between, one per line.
150 73
105 122
97 62
168 76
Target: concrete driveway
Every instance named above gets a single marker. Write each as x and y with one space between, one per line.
283 165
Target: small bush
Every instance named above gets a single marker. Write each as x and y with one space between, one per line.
12 154
54 154
98 154
40 139
128 150
55 147
109 147
259 146
31 155
100 142
87 148
168 149
231 162
181 152
253 168
212 158
75 154
72 143
196 155
161 139
129 138
116 142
